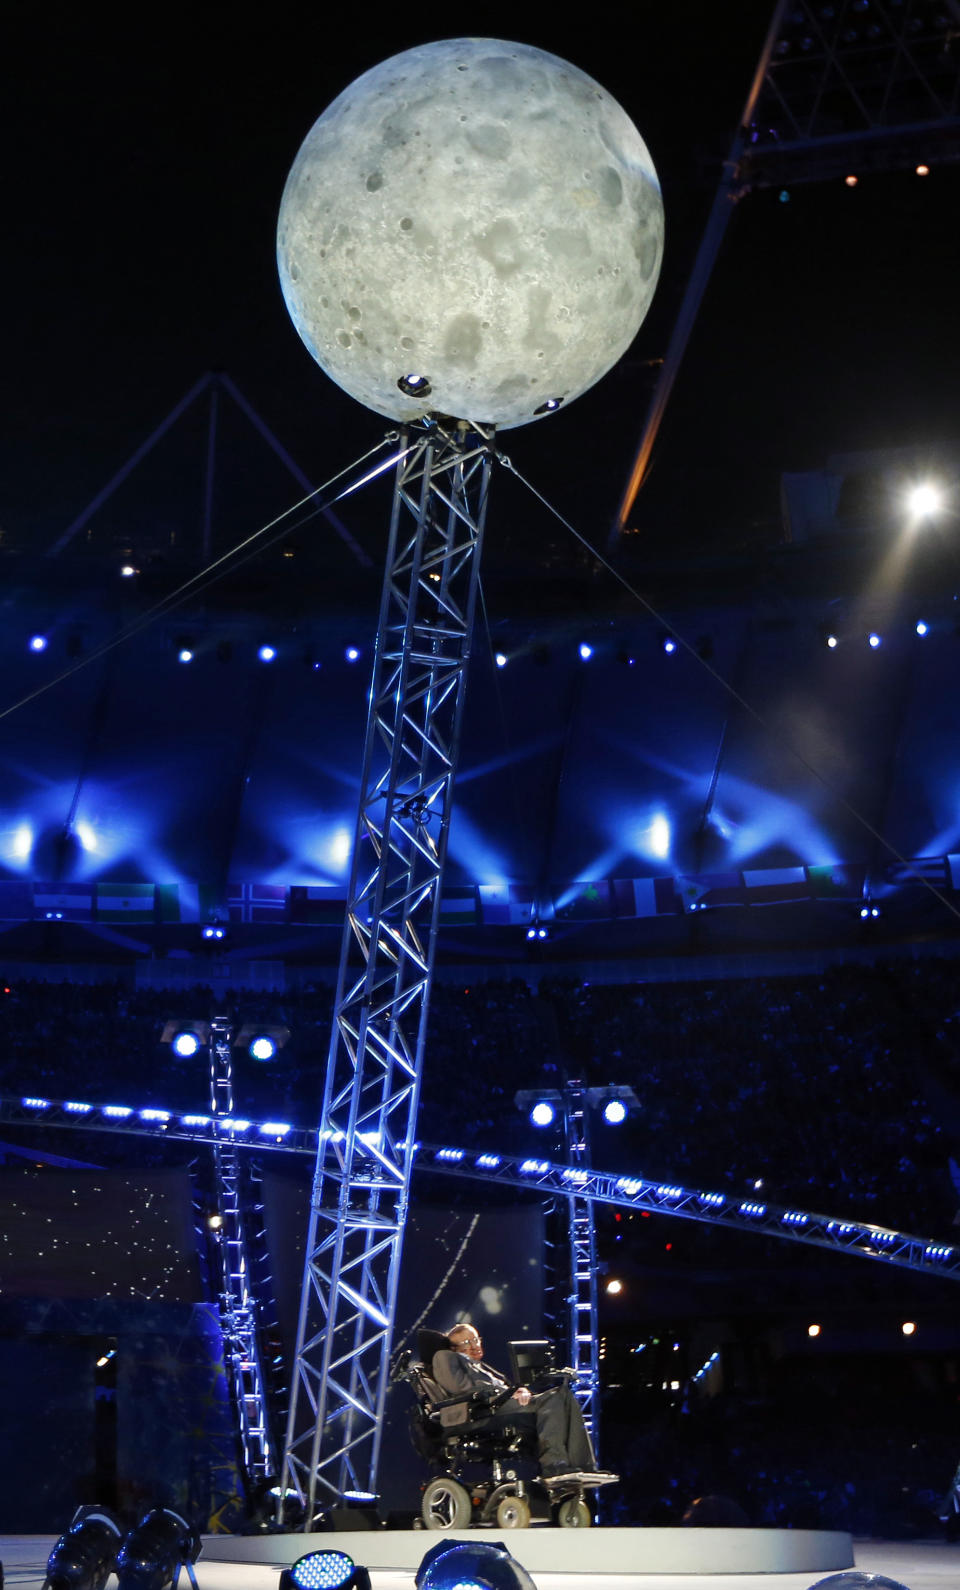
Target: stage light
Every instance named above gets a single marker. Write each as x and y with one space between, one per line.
262 1047
908 1327
84 1557
352 653
38 642
463 1565
267 654
213 930
922 171
531 932
185 1043
874 640
325 1570
668 645
832 642
813 1330
543 1113
127 571
851 181
542 933
614 1112
614 1288
924 500
185 655
155 1551
500 658
585 650
922 627
855 1579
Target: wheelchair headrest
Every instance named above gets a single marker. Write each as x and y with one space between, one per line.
430 1342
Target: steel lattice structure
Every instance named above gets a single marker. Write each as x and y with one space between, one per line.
238 1307
582 1298
366 1142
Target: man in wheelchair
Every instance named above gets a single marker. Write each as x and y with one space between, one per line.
469 1414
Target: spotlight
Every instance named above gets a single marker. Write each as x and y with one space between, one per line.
127 571
542 933
924 500
854 1579
668 645
923 171
213 930
500 658
485 1565
614 1112
832 642
543 1113
922 627
352 653
155 1551
185 1043
38 642
267 654
851 181
909 1327
585 650
325 1570
85 1557
414 385
874 640
531 932
185 655
813 1330
614 1288
262 1047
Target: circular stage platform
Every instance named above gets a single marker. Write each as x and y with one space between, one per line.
542 1549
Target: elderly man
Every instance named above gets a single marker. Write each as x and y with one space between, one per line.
562 1441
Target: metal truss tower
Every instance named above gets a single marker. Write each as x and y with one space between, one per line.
238 1308
582 1297
844 87
366 1137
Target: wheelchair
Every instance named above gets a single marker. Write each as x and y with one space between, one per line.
501 1497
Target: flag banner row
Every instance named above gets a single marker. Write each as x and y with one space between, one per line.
470 905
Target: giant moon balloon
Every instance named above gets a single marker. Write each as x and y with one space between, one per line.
472 228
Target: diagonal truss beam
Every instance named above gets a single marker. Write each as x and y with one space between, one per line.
366 1135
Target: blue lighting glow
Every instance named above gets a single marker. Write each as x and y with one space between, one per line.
352 653
669 645
154 1115
793 1217
543 1113
488 1161
35 1104
194 1120
212 930
874 640
922 627
267 654
614 1112
450 1153
577 1176
585 650
230 1123
186 1043
715 1200
275 1128
534 1167
78 1109
263 1047
753 1209
38 642
500 658
629 1185
118 1112
185 655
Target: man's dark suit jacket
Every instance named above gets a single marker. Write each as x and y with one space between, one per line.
456 1375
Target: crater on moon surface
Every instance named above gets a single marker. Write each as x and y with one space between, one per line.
485 204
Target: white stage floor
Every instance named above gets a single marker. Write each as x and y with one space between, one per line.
919 1565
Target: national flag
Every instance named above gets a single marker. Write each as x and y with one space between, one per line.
836 881
73 902
186 902
317 904
504 903
711 889
257 902
774 885
16 900
458 904
643 897
125 902
921 869
585 902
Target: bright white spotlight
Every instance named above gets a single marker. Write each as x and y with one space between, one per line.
352 653
86 835
185 1044
925 500
542 1113
832 642
22 842
500 658
586 651
614 1288
38 642
267 654
922 627
614 1112
659 837
262 1047
185 655
874 640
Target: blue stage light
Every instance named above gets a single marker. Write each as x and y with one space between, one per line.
465 1565
543 1113
531 932
669 645
874 640
500 658
154 1552
185 655
586 651
832 642
262 1047
922 627
38 642
267 654
325 1570
86 1555
542 933
614 1112
352 653
185 1043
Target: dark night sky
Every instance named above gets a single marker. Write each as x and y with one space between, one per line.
143 174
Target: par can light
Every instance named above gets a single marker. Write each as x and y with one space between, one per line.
486 1565
855 1579
86 1555
325 1570
155 1551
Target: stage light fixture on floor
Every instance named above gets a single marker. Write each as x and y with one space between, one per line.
155 1551
856 1579
85 1556
325 1570
465 1565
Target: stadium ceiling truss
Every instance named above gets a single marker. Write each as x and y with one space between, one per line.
529 1175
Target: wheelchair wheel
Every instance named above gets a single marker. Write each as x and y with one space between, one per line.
573 1513
513 1512
446 1505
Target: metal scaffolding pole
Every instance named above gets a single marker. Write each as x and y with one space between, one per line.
366 1135
238 1308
